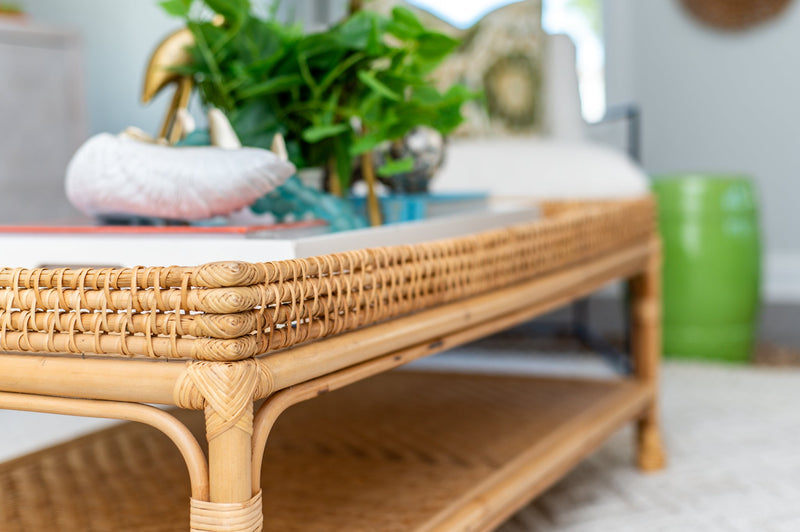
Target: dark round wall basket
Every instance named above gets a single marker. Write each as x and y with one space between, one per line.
734 14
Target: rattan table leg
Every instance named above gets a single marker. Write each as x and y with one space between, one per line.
233 507
646 347
225 391
229 460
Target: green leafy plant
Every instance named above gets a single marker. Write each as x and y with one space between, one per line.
335 94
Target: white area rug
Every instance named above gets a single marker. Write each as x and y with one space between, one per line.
733 437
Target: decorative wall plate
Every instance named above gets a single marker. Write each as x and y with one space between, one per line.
511 86
735 14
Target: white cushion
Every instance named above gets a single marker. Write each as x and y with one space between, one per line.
539 168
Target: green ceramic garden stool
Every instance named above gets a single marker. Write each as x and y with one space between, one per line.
712 264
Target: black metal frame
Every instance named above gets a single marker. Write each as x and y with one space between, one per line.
632 114
579 325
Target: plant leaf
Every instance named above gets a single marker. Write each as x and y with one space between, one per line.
255 123
315 134
374 42
331 106
234 11
340 69
372 82
305 71
366 143
276 84
397 166
344 163
405 25
405 16
176 8
355 32
426 96
435 46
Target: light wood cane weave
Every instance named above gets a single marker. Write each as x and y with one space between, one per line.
234 310
398 452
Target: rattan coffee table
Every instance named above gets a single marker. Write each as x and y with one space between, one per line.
243 342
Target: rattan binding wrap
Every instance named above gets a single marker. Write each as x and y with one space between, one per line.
234 311
215 517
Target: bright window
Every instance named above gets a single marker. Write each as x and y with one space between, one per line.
582 21
461 14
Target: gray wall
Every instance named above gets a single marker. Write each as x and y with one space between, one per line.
42 120
119 36
715 101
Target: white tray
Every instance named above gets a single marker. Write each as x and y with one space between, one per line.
106 250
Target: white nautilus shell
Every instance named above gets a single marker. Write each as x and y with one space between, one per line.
120 174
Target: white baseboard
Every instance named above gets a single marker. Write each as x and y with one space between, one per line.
781 278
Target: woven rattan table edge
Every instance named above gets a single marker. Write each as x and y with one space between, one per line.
281 304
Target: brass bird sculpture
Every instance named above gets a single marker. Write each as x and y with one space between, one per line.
170 53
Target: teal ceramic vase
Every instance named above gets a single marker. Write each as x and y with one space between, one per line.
712 265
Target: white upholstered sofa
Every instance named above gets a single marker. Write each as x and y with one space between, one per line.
562 163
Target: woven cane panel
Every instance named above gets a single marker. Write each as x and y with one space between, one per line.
233 311
386 454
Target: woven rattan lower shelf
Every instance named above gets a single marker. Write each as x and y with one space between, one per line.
398 452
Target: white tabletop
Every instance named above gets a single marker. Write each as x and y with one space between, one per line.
33 250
